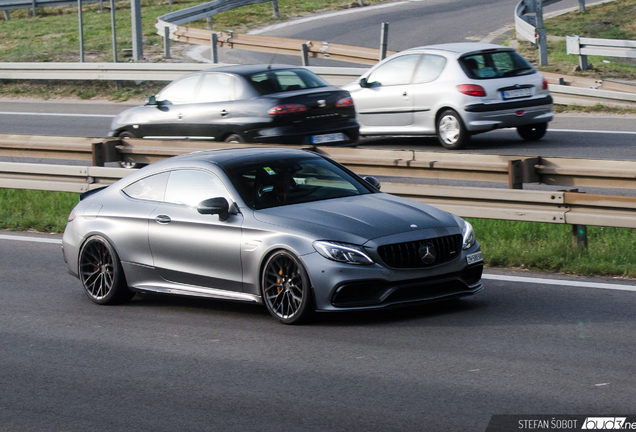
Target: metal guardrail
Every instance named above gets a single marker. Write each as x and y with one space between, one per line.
582 46
7 5
486 203
209 9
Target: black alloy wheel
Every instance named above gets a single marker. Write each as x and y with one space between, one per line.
129 165
101 273
235 138
532 132
286 289
451 132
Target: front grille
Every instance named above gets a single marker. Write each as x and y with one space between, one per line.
409 254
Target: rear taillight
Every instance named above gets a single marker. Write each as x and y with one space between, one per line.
471 90
345 102
71 217
545 84
287 109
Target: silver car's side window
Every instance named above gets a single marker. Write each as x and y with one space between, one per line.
215 87
151 188
429 68
180 92
394 72
190 187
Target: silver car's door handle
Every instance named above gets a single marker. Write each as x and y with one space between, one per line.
180 116
404 94
163 219
224 113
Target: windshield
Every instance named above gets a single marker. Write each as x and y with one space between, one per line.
280 182
496 64
275 81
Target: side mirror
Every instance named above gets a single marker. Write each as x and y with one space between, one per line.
151 101
364 83
372 181
212 206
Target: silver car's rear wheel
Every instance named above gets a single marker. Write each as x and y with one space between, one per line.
286 290
451 131
101 273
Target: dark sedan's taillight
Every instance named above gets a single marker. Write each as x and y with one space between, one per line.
287 109
471 90
345 102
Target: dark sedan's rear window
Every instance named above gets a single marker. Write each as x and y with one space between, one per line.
495 64
276 81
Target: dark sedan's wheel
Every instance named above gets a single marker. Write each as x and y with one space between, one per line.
235 138
286 290
532 132
125 164
451 132
101 273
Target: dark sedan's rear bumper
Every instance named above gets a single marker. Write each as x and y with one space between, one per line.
302 133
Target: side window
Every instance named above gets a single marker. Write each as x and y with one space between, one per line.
180 92
150 188
215 87
429 69
396 71
190 187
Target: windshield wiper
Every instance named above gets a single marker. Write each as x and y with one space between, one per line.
517 71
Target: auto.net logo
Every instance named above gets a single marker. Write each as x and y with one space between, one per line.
607 423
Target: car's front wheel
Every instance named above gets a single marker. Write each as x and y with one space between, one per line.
532 132
286 288
451 132
234 138
101 273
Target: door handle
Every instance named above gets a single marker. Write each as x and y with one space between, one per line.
163 219
224 113
404 94
180 116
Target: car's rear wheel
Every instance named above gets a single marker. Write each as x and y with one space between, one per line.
101 273
286 288
125 164
532 132
451 132
235 138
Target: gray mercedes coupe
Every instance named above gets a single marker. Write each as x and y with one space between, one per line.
288 228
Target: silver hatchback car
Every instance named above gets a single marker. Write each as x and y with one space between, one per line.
452 91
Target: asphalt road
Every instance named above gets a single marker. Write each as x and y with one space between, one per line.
166 363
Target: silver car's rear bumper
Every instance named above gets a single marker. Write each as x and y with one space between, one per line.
484 117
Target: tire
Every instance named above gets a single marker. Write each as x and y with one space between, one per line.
235 138
286 289
451 132
532 132
101 273
129 165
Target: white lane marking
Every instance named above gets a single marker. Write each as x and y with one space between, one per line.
593 131
582 284
330 15
30 239
486 276
55 114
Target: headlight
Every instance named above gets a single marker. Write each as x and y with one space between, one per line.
468 236
342 252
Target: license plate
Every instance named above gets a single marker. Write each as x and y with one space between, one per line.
474 258
327 138
518 93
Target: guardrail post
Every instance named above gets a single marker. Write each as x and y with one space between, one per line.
275 6
384 37
515 174
579 236
209 23
137 40
114 31
360 3
7 16
101 5
166 42
33 7
543 47
81 29
214 38
105 151
582 6
573 46
304 52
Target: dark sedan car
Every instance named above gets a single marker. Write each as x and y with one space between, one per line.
248 103
288 228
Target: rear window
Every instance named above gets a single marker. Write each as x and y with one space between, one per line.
285 80
495 64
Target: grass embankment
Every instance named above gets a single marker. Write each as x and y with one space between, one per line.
536 246
53 36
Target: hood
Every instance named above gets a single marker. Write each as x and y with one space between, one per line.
360 218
